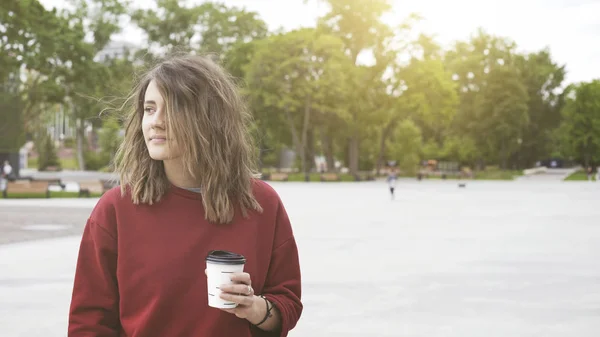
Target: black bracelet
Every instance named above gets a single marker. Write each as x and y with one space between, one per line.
268 314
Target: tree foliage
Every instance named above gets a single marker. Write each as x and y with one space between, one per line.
479 102
581 122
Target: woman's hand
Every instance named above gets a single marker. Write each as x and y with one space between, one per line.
250 307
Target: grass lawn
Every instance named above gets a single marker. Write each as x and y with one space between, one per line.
491 174
579 176
69 163
52 195
498 174
316 177
32 162
487 175
66 163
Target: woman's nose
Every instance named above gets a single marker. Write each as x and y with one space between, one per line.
158 119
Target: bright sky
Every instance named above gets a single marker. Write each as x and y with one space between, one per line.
568 27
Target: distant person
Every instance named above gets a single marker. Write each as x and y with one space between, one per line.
391 179
589 173
7 169
5 175
188 187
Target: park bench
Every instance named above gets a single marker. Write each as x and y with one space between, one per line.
86 188
330 177
27 187
278 177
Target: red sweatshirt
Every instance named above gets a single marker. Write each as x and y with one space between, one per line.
140 271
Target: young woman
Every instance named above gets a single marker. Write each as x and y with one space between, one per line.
391 179
187 188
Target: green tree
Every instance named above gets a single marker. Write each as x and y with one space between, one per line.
460 148
358 24
86 79
543 79
109 140
35 44
492 109
501 113
294 73
11 127
209 27
170 26
581 122
237 59
405 146
421 89
47 153
430 96
222 27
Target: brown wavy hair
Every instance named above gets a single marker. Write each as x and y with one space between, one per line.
209 120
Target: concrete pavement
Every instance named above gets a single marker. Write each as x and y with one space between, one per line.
495 258
22 222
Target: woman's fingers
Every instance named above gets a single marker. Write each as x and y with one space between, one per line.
239 299
238 289
241 278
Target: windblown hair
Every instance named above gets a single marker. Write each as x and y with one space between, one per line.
207 117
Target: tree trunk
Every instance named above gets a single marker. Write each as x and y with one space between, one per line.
310 149
80 134
305 125
385 133
298 147
353 144
327 142
302 160
502 155
353 154
480 164
300 144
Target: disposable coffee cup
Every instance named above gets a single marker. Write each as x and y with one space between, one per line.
220 264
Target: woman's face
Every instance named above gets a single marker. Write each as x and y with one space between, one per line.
160 145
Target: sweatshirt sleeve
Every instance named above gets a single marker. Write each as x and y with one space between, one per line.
94 310
283 282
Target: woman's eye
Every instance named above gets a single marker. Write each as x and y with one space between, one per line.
148 110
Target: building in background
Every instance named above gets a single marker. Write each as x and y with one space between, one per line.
116 49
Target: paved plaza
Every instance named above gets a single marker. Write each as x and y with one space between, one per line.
494 259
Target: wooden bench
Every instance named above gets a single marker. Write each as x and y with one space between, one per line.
50 181
27 187
278 177
53 169
330 177
364 176
86 188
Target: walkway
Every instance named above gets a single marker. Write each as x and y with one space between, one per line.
495 258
